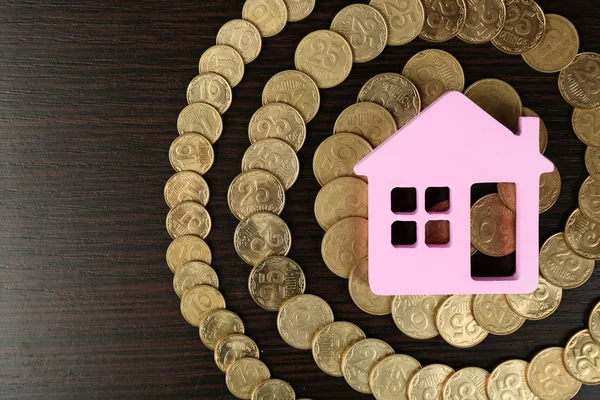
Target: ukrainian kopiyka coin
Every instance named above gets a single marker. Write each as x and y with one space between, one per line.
185 249
528 112
582 357
548 377
493 313
578 82
470 381
296 89
524 28
498 99
415 315
592 161
589 199
279 121
199 301
212 89
484 21
369 120
493 226
341 198
201 118
274 280
269 16
186 186
234 347
253 191
273 389
218 324
438 231
191 152
337 155
225 61
275 156
330 342
561 266
363 296
243 36
301 317
299 9
583 235
404 18
188 218
550 187
594 323
194 273
537 305
586 124
455 322
244 375
345 244
261 235
427 383
359 359
513 371
443 21
388 379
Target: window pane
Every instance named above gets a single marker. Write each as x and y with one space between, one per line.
404 200
404 233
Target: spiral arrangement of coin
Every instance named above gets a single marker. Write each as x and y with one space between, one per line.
277 131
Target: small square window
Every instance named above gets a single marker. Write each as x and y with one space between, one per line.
437 199
404 200
437 232
404 233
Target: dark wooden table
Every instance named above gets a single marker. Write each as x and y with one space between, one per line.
89 96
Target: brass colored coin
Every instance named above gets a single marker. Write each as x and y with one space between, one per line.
269 16
427 382
579 82
344 245
363 296
234 347
330 342
389 377
299 9
586 124
468 383
558 48
253 191
201 118
301 317
434 72
594 323
212 89
192 274
359 359
394 92
191 152
550 187
592 161
507 379
275 280
186 186
279 121
561 266
455 322
548 377
261 235
528 112
493 226
582 358
589 199
244 375
243 36
498 99
341 198
296 89
188 218
218 324
484 21
415 315
185 249
199 301
365 30
404 18
368 120
493 313
537 305
583 235
337 155
524 28
273 389
275 156
444 20
325 56
225 61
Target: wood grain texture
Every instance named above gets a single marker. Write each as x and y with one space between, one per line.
89 96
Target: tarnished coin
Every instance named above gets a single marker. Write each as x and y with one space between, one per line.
330 342
404 18
539 304
493 313
528 112
341 198
212 89
365 30
218 324
550 187
201 118
498 99
243 36
434 72
199 301
269 16
185 249
589 199
394 92
456 324
273 389
508 379
275 280
296 89
438 232
188 218
301 317
363 296
194 273
484 21
253 191
191 152
493 226
579 83
225 61
467 383
299 9
443 20
337 155
415 315
244 375
592 161
594 323
275 156
583 235
427 382
524 28
582 358
548 377
234 347
345 244
358 360
261 235
186 186
558 48
586 124
389 377
368 120
279 121
561 266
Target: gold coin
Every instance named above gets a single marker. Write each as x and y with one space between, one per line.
455 322
394 92
261 235
330 342
592 161
279 121
365 30
524 28
537 305
234 347
192 274
427 382
359 359
275 280
269 16
275 156
188 218
508 380
528 112
325 56
337 155
550 187
583 235
561 266
212 89
586 124
579 82
388 379
186 186
253 191
341 198
434 72
444 20
185 249
363 296
243 36
582 358
273 389
225 61
467 383
296 89
498 99
301 317
299 9
415 315
244 375
548 377
344 245
404 18
594 323
493 226
218 324
558 48
191 152
484 21
368 120
493 313
199 301
201 118
589 199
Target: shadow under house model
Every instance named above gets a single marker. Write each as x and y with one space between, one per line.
453 143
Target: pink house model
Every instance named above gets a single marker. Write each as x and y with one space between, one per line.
454 144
